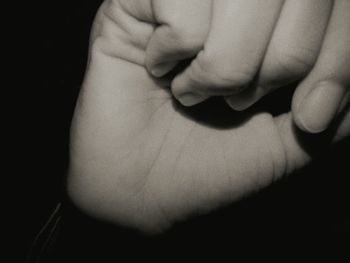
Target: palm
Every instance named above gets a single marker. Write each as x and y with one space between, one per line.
137 146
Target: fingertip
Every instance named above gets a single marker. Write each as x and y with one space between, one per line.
245 99
190 99
184 90
238 104
303 125
161 69
319 108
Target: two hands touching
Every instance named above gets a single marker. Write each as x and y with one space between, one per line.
246 49
141 160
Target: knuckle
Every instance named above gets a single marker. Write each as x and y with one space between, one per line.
334 68
294 62
218 71
185 37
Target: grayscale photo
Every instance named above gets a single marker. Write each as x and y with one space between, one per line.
184 129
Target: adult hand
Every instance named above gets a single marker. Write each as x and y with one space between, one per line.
141 160
254 47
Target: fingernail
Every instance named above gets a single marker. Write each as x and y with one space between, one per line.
320 107
238 104
243 101
190 99
162 69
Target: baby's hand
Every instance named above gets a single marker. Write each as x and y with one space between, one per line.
251 48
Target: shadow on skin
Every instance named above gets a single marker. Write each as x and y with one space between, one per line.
215 112
319 144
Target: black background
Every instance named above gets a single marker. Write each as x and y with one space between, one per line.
50 45
48 41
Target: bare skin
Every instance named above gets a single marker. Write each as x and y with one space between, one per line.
141 160
244 50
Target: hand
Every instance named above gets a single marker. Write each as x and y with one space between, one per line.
254 47
141 160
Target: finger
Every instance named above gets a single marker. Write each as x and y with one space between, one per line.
233 52
183 27
119 22
318 99
343 129
292 51
141 10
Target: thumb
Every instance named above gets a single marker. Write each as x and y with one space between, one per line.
296 154
183 28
